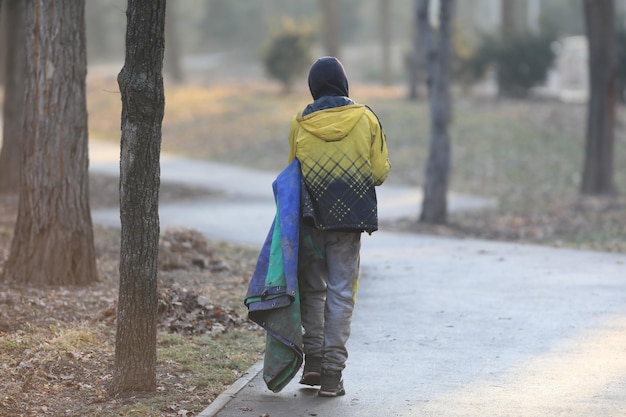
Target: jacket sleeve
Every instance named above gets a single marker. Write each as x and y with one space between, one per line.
379 154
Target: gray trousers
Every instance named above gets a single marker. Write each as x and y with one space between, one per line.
328 271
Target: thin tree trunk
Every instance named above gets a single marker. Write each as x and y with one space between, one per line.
434 207
13 110
2 41
514 17
143 101
172 46
53 240
508 22
330 16
513 22
598 166
533 15
385 40
416 53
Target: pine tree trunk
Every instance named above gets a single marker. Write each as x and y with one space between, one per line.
53 240
13 111
141 85
598 165
439 55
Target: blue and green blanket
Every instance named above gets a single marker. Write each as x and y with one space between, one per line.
273 299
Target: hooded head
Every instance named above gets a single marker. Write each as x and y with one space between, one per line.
327 77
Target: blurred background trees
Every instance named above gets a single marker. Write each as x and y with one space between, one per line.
288 53
516 39
507 49
522 60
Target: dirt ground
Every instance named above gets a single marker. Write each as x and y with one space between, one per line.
57 344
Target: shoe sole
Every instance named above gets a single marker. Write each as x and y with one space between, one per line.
332 394
311 378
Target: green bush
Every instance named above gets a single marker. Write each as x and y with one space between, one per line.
473 66
521 61
289 53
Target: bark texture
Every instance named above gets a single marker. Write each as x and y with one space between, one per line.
598 165
53 240
13 37
438 58
141 86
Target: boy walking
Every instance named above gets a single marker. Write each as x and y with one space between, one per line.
343 155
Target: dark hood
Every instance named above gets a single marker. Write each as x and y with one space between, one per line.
327 77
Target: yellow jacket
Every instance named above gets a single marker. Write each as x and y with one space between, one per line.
343 154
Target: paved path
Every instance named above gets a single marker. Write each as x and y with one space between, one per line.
244 207
443 327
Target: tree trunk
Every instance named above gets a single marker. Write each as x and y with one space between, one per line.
53 240
330 16
439 54
416 53
172 46
533 16
385 40
2 41
514 17
598 165
513 21
143 102
13 111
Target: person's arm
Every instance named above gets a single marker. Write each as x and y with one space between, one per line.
379 154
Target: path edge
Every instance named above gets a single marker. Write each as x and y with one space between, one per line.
224 398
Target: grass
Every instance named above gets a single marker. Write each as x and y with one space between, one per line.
204 366
214 360
72 338
499 148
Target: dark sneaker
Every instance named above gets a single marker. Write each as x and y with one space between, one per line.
312 370
332 384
